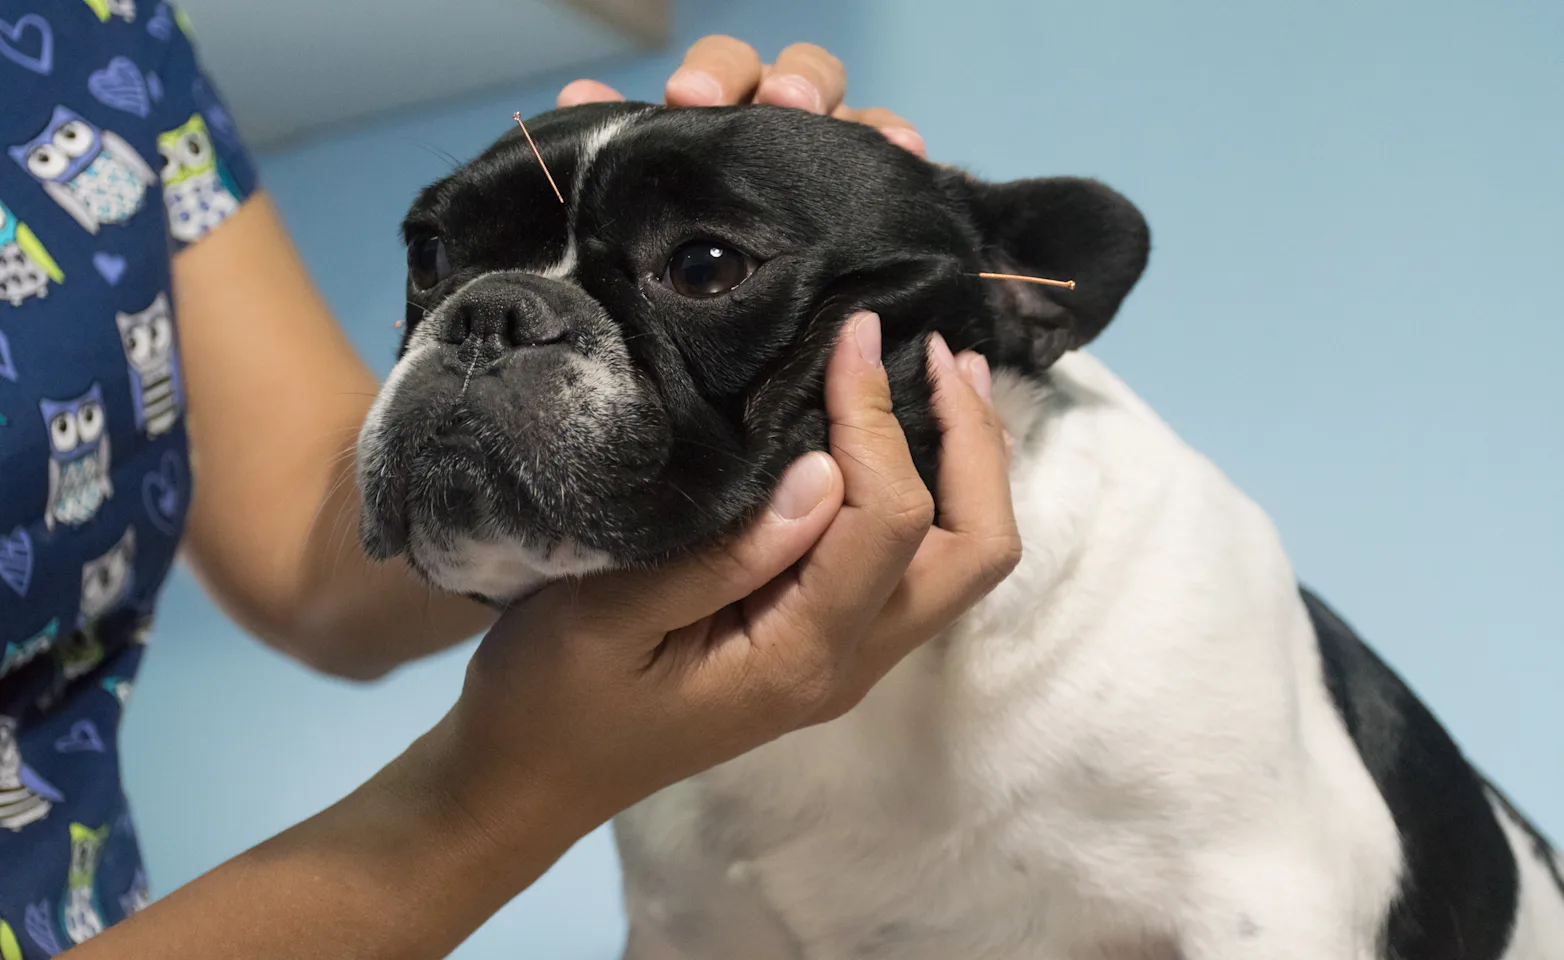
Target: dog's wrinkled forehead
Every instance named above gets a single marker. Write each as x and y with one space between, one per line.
636 179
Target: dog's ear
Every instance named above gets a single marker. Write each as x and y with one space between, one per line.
1062 228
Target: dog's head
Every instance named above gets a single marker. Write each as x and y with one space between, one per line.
613 380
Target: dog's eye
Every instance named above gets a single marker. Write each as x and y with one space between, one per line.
427 262
706 269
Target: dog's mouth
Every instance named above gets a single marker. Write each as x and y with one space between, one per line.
472 526
455 481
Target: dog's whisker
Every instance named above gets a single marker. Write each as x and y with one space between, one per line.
332 535
690 442
680 491
401 322
340 536
445 155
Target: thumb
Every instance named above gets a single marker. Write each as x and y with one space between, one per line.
659 601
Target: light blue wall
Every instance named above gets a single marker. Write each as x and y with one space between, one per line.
1351 308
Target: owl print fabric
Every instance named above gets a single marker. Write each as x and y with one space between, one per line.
115 154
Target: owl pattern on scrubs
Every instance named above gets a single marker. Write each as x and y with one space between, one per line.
115 154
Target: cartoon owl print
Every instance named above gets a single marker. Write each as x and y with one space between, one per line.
93 174
124 9
79 479
20 805
196 196
10 947
120 689
155 390
80 913
80 654
106 581
19 655
26 269
137 897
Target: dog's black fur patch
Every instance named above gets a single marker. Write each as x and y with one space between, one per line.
1460 889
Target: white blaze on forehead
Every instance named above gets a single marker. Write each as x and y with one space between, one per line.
591 145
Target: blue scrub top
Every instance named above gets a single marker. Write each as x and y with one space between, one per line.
117 154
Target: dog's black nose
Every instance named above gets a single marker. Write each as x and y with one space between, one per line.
502 313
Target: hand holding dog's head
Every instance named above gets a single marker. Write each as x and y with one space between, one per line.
614 380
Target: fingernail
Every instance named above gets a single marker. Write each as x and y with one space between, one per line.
981 379
906 138
696 88
866 328
577 92
940 350
1010 447
803 487
791 90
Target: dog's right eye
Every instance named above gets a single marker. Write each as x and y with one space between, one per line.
704 269
427 262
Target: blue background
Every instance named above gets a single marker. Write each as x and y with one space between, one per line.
1356 209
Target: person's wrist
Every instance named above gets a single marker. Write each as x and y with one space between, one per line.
493 812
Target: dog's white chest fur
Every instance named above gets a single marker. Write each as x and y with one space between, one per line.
1125 751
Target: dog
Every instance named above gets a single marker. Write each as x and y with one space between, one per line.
1148 742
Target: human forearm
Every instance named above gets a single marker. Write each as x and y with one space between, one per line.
405 867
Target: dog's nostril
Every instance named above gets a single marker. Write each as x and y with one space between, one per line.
526 327
460 327
517 329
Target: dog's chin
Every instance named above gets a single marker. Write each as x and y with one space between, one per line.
498 569
463 541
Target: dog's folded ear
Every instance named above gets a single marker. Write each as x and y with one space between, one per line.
1061 228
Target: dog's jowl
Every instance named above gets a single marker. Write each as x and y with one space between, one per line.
1148 742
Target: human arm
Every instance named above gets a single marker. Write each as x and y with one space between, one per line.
592 696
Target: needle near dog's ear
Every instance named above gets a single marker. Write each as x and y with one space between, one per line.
535 152
1066 284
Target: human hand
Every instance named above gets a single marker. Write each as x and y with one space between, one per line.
720 70
604 691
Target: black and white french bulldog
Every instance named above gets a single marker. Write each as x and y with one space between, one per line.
1148 742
